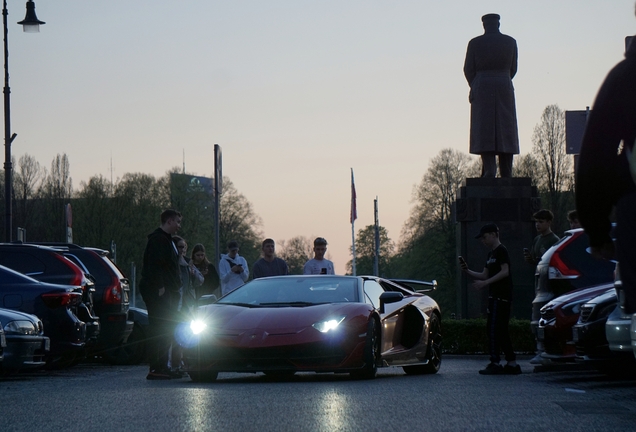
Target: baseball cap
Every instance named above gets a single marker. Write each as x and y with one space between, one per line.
232 245
488 228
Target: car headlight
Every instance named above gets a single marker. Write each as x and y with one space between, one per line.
197 326
327 325
20 327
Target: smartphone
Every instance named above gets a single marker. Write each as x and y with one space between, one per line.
323 270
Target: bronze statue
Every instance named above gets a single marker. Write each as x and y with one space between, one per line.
490 65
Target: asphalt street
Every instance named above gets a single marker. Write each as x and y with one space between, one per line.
95 397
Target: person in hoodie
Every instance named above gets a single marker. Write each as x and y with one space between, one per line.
233 269
606 173
159 287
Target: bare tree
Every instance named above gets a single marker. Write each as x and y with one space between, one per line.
526 165
28 176
436 193
555 175
239 222
296 252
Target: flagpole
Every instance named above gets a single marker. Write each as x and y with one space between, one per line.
353 217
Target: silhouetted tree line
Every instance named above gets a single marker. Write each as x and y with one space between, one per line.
125 211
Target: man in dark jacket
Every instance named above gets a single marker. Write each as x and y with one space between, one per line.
603 177
490 65
159 286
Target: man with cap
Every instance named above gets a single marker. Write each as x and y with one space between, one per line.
233 270
319 264
496 275
490 65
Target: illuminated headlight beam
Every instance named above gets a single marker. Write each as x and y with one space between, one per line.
327 325
197 326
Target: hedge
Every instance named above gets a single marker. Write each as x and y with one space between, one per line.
468 336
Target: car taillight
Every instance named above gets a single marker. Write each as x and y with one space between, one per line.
78 275
55 300
113 292
559 269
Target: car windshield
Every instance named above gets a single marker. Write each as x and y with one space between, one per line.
294 291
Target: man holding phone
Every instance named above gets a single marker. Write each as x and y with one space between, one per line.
319 264
233 270
496 277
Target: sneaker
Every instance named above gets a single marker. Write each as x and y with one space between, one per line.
157 375
537 360
512 370
492 369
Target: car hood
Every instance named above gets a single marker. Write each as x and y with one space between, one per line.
277 319
608 297
7 315
580 294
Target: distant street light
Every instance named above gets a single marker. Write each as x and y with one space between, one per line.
31 24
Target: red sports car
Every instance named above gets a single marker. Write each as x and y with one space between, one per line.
286 324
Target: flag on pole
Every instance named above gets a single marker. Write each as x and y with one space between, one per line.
354 211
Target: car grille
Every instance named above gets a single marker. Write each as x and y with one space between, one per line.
286 357
586 313
548 314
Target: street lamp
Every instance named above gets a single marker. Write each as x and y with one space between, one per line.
31 24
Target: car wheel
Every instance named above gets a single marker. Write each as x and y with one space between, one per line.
203 376
371 353
132 352
433 350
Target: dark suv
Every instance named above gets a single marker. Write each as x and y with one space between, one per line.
110 300
565 267
48 265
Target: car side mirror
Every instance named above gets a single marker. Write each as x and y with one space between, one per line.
390 297
206 300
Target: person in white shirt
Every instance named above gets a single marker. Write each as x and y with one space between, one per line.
318 264
233 270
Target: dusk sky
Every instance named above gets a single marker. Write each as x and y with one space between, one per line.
295 92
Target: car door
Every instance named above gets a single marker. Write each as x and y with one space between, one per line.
392 318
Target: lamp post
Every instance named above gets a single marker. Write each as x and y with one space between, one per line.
31 24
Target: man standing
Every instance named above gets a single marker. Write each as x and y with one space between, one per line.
490 65
269 264
545 238
233 269
496 275
159 287
606 173
319 264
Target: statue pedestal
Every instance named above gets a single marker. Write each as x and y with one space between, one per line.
510 203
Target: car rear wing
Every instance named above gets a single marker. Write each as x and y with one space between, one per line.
416 286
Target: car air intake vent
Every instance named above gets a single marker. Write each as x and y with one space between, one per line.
586 313
548 314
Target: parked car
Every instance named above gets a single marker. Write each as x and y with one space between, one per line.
281 325
558 317
589 332
565 267
110 299
53 305
26 345
48 265
619 321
